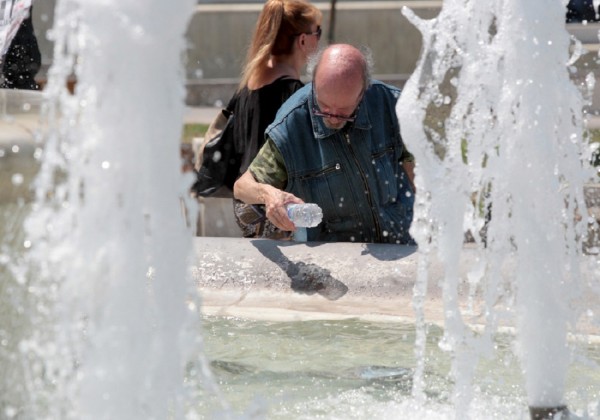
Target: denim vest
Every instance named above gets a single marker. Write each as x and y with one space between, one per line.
354 174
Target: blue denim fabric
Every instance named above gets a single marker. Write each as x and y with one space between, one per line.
354 174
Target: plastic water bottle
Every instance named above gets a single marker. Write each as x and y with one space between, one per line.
305 215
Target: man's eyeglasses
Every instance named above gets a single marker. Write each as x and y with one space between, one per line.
321 114
318 113
318 33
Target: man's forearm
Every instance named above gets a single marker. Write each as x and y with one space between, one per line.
248 190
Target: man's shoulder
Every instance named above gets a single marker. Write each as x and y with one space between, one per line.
385 88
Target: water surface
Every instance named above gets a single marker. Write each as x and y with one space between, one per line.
357 369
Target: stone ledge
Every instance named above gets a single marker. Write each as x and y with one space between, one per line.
271 279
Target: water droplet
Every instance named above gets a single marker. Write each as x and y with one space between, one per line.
10 412
17 179
138 32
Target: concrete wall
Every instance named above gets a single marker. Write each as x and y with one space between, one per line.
219 35
43 20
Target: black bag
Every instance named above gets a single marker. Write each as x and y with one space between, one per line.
218 163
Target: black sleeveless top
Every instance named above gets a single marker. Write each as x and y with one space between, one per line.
254 110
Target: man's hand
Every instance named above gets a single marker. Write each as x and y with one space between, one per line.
247 189
275 202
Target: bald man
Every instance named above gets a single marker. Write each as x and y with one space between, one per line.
336 142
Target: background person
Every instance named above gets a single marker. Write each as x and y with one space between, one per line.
336 142
23 59
286 33
581 11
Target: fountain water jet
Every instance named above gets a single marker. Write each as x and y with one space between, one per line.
107 248
495 125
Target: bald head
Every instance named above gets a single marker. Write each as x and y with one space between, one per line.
340 77
341 66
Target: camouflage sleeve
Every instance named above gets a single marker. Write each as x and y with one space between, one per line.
268 166
406 156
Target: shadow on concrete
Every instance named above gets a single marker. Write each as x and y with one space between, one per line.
306 278
388 252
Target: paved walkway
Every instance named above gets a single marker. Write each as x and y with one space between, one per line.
200 115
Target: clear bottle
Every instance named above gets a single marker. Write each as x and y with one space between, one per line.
305 215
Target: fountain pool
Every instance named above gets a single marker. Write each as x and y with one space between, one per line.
356 369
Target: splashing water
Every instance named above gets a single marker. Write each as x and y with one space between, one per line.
495 125
108 248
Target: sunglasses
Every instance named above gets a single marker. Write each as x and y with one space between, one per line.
318 33
347 118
